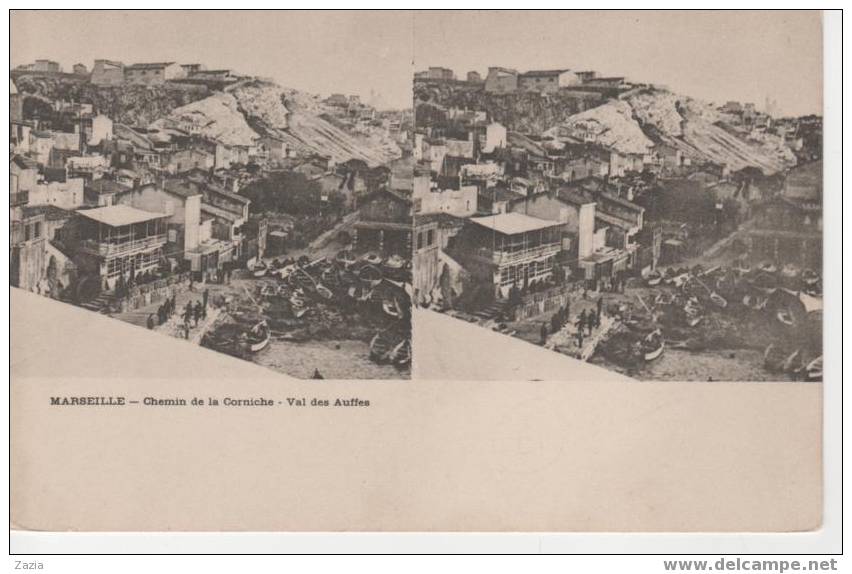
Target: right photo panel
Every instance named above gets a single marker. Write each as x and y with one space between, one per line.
641 191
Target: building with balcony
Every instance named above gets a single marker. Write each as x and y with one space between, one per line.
508 249
119 240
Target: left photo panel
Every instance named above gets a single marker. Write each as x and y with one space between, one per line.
217 180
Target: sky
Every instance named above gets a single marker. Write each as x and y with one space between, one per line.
715 56
319 52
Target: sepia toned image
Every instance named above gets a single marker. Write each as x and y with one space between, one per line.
423 271
639 190
251 200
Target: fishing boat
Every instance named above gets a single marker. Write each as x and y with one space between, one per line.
653 279
693 345
786 317
258 269
400 355
773 357
742 267
813 370
777 359
268 290
790 271
395 262
258 337
391 307
298 305
793 362
755 302
324 292
718 300
653 345
810 277
382 345
371 274
346 258
693 312
372 259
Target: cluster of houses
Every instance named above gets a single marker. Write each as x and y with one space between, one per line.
95 203
498 210
113 73
503 80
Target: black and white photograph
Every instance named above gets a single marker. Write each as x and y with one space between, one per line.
660 219
213 198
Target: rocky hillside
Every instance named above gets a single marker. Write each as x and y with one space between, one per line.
704 135
632 124
132 105
305 123
236 116
526 112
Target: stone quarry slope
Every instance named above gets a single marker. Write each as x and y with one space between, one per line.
687 124
236 116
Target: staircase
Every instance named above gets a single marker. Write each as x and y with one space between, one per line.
100 304
493 310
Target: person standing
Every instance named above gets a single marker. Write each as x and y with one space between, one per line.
600 305
205 296
543 333
187 313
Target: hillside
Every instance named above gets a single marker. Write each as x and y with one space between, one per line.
236 116
632 124
526 112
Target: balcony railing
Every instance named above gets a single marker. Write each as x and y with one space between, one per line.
105 249
510 257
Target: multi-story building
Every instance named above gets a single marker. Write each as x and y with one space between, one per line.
119 240
501 80
107 73
508 249
153 73
547 81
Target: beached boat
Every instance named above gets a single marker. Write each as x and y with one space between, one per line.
810 277
653 279
324 292
345 258
790 271
371 274
653 345
786 317
400 355
813 370
391 307
395 262
754 302
742 267
793 362
778 359
268 290
372 259
718 300
258 337
258 269
768 267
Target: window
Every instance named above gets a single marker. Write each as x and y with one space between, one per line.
430 237
419 241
